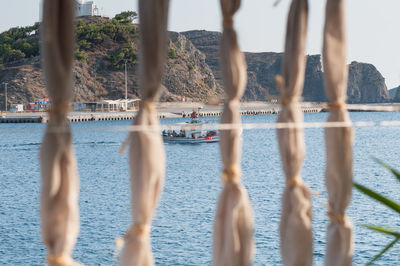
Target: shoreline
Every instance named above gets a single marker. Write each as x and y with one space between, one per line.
184 109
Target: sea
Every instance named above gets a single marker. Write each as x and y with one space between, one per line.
182 226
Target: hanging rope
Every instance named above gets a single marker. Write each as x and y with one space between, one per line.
295 226
233 226
339 140
60 183
146 151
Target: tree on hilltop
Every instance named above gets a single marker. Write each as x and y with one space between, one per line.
126 17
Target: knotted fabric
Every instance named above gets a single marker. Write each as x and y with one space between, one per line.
146 152
339 249
295 226
60 184
233 225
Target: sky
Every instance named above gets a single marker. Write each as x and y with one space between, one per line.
373 25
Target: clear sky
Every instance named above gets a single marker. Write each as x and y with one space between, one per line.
372 25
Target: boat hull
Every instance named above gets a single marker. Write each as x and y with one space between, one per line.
183 140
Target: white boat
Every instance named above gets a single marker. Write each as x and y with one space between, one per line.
184 140
189 133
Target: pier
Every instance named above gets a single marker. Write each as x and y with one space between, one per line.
165 110
72 117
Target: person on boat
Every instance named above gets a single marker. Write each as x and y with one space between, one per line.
211 133
181 133
174 134
194 115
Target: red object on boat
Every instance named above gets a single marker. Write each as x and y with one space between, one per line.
208 138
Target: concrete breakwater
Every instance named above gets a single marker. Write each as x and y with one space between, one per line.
72 117
165 110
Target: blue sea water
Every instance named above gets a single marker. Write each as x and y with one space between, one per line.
182 227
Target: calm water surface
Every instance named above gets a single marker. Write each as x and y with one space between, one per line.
182 228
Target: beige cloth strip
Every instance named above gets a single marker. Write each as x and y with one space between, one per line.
233 226
60 183
146 152
339 249
295 226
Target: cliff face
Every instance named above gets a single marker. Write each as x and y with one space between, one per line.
261 69
366 84
208 42
187 74
313 90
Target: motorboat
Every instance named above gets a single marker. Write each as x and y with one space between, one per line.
189 133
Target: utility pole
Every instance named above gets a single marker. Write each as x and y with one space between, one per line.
5 88
126 90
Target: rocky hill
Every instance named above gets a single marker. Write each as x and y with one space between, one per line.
192 69
366 84
103 46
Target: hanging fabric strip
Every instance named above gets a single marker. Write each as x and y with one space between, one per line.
60 183
233 226
339 250
295 226
146 152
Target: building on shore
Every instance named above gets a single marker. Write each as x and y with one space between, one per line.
44 104
86 8
107 106
83 8
84 106
16 108
117 105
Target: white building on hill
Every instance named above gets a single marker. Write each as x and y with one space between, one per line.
86 8
83 8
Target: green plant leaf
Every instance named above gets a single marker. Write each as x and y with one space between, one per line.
383 251
383 230
391 204
395 172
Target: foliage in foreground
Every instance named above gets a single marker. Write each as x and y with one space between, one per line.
388 203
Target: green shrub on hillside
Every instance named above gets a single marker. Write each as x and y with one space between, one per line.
89 35
17 43
23 42
126 17
80 55
172 53
127 53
